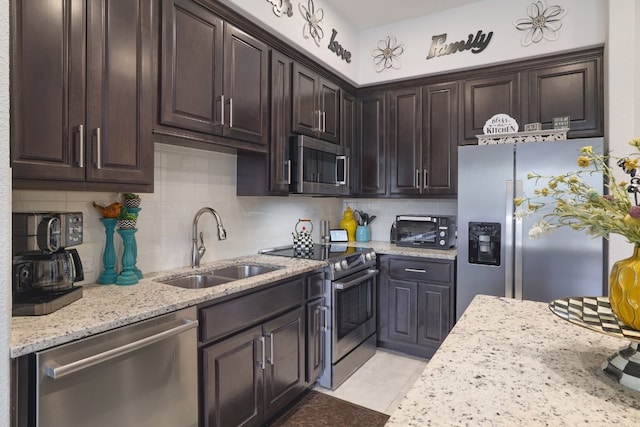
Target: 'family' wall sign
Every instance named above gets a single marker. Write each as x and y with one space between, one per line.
475 44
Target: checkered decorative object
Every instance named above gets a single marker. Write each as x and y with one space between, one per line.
595 313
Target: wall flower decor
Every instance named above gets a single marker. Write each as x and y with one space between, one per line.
386 54
541 23
313 18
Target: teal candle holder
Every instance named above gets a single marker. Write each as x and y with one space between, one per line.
127 276
108 276
135 211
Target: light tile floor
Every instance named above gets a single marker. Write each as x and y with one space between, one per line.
381 383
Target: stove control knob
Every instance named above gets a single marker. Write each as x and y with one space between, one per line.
344 264
373 255
442 233
442 242
337 266
368 256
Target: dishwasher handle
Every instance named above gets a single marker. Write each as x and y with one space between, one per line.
57 372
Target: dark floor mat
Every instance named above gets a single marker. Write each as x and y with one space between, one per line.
319 409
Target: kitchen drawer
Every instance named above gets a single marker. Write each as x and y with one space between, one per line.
222 319
315 285
421 271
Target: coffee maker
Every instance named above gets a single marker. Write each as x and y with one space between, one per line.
44 271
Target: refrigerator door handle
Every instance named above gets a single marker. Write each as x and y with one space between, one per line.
517 255
508 240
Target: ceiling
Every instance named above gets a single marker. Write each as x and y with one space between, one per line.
366 14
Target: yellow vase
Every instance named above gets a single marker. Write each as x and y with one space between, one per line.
349 223
624 290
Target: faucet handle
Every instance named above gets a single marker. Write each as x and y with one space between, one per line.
201 248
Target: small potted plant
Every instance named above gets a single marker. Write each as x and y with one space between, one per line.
127 220
131 200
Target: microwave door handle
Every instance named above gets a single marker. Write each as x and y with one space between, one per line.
342 181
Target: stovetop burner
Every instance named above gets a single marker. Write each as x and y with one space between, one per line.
39 303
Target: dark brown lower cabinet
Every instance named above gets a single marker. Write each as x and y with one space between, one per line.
415 304
254 374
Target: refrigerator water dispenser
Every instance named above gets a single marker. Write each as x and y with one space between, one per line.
484 243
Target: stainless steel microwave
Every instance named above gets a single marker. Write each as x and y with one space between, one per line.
426 231
318 167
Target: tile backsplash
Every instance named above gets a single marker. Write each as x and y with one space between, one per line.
188 179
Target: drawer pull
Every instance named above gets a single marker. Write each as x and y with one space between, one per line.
415 270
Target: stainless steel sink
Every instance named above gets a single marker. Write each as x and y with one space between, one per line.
219 276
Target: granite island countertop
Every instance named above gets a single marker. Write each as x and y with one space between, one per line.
510 363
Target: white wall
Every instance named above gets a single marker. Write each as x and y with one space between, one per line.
186 180
583 25
622 92
5 217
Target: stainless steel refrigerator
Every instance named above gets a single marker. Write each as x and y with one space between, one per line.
496 256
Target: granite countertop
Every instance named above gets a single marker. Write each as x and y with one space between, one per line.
510 362
105 307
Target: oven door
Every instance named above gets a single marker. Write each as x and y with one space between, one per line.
354 311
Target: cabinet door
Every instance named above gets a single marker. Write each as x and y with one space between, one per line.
191 73
305 90
329 106
371 146
280 163
119 92
348 134
232 380
483 98
573 90
402 318
245 87
405 141
315 340
435 314
284 373
440 138
48 89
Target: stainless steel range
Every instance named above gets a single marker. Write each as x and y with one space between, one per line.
350 298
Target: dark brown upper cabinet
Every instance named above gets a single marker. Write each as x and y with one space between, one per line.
214 76
348 127
371 146
316 105
440 139
280 162
423 139
486 96
81 95
571 89
405 141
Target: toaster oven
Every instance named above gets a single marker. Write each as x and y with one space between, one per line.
425 231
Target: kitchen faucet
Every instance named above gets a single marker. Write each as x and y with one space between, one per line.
198 251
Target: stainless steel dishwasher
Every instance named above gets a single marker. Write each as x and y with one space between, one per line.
139 375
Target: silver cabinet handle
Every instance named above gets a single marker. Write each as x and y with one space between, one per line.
98 149
222 109
415 270
263 361
324 121
230 112
424 178
288 174
417 180
55 372
325 318
81 146
271 358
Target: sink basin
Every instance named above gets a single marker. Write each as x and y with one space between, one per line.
243 271
219 276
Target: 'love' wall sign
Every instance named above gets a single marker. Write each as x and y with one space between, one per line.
337 48
475 44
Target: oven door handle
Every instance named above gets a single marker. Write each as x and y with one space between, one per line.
361 278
